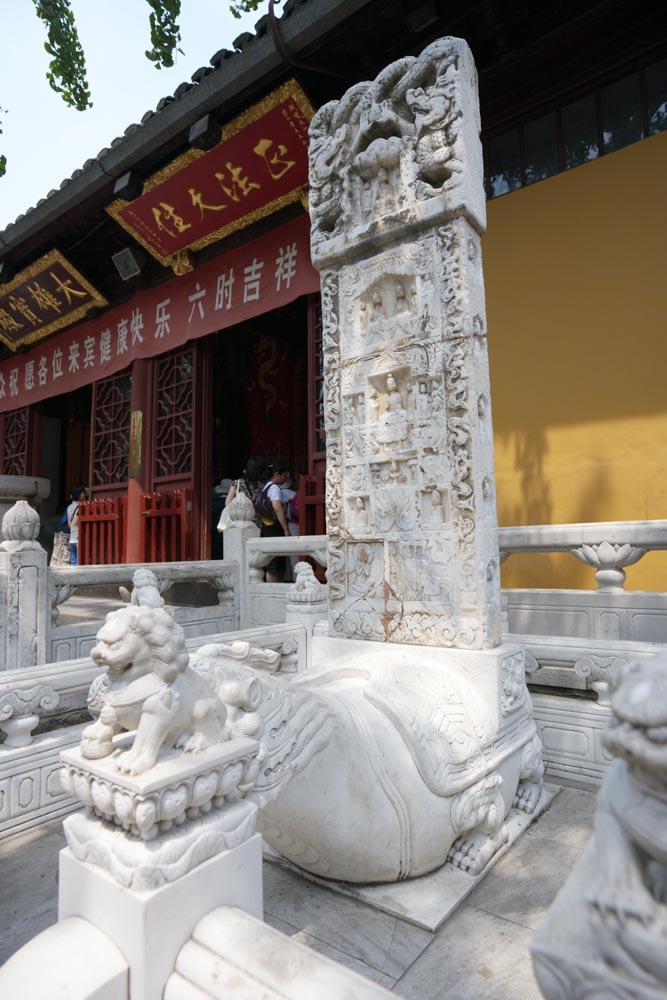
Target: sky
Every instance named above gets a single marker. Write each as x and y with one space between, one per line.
45 141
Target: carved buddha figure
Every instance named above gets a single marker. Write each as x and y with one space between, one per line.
393 423
423 402
376 320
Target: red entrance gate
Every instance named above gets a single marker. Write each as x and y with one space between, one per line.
166 526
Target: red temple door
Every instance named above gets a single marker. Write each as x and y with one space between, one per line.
176 519
103 520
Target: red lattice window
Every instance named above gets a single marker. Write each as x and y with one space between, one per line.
111 430
15 444
174 410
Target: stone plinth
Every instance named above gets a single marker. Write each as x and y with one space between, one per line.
397 209
151 927
177 788
157 851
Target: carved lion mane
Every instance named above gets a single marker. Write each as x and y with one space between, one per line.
164 637
136 625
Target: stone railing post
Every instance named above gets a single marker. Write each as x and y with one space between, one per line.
240 529
609 559
306 602
23 589
18 712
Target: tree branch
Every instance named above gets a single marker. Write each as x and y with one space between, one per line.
165 32
67 69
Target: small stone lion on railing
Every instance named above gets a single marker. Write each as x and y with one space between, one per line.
148 686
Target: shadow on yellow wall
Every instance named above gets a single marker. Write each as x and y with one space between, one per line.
577 314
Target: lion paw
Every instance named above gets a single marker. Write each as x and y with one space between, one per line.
96 741
527 796
131 762
471 853
195 742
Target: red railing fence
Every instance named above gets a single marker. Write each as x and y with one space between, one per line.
166 526
102 531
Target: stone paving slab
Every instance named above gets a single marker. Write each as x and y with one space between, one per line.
480 952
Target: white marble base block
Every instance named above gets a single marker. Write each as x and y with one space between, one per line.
151 927
71 960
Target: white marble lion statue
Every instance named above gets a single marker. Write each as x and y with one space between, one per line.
605 936
148 686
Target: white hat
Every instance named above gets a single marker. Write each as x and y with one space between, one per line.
223 487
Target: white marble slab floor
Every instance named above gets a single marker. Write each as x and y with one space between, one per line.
480 953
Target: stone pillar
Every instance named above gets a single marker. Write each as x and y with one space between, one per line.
23 589
154 853
241 527
398 210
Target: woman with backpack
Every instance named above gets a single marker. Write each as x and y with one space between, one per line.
268 503
253 478
79 493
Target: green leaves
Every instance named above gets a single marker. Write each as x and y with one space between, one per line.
165 32
244 7
67 69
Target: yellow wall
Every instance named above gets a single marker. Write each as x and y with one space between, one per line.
576 281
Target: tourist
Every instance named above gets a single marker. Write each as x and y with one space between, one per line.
79 493
253 478
276 526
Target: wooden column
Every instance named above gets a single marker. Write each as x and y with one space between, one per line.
141 438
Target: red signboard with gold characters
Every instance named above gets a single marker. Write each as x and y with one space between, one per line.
259 165
46 296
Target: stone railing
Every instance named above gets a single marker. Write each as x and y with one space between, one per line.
70 640
30 789
65 581
605 546
265 602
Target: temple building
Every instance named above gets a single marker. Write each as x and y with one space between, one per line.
160 315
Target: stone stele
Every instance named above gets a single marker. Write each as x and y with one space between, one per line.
409 739
397 208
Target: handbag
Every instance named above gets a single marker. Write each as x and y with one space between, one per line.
225 517
61 553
